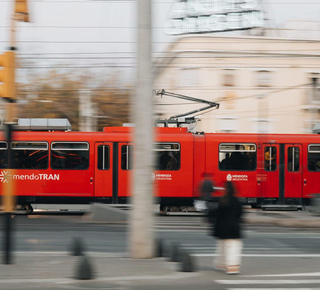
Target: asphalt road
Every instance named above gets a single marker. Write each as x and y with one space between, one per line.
273 257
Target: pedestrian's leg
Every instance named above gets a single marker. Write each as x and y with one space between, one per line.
219 262
233 256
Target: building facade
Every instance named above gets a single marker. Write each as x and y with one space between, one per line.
263 85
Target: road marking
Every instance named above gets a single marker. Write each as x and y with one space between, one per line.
250 282
137 278
267 255
105 279
186 230
273 289
66 254
245 248
286 275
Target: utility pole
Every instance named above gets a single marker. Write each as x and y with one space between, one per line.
314 111
87 112
141 230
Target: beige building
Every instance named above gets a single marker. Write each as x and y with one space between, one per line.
262 84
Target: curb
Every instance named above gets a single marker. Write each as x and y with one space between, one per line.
285 223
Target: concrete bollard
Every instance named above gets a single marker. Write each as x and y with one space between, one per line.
84 269
77 247
175 253
187 262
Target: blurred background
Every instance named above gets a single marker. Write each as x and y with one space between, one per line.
76 60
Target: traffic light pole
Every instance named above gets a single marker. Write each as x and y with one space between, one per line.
7 91
8 203
11 105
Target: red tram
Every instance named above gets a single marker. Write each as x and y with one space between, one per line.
78 168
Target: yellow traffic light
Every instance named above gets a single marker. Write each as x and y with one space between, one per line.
21 10
7 83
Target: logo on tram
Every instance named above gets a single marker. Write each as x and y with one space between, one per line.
5 176
237 177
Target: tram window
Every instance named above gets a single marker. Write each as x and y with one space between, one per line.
270 158
314 157
70 155
3 155
126 157
103 157
293 159
167 156
237 156
29 155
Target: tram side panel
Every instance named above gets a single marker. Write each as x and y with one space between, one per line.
311 170
173 174
48 171
199 162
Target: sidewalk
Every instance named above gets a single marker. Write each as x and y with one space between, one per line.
57 270
289 218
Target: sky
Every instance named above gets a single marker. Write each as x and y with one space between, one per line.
100 35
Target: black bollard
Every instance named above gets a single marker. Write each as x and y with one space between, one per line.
159 248
175 253
187 262
77 247
84 269
7 243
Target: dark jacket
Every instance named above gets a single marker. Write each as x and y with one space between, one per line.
228 218
206 189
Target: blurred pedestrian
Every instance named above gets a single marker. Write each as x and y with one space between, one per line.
206 190
227 229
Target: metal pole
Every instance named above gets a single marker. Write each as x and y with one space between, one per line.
314 113
141 234
11 105
8 202
8 188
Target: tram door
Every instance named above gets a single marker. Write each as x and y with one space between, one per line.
269 180
113 164
282 172
293 171
125 166
103 179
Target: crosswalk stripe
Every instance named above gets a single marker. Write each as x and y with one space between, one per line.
266 255
317 274
261 282
195 247
273 289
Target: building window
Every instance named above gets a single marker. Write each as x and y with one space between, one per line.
315 91
263 78
227 124
263 126
189 77
228 78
